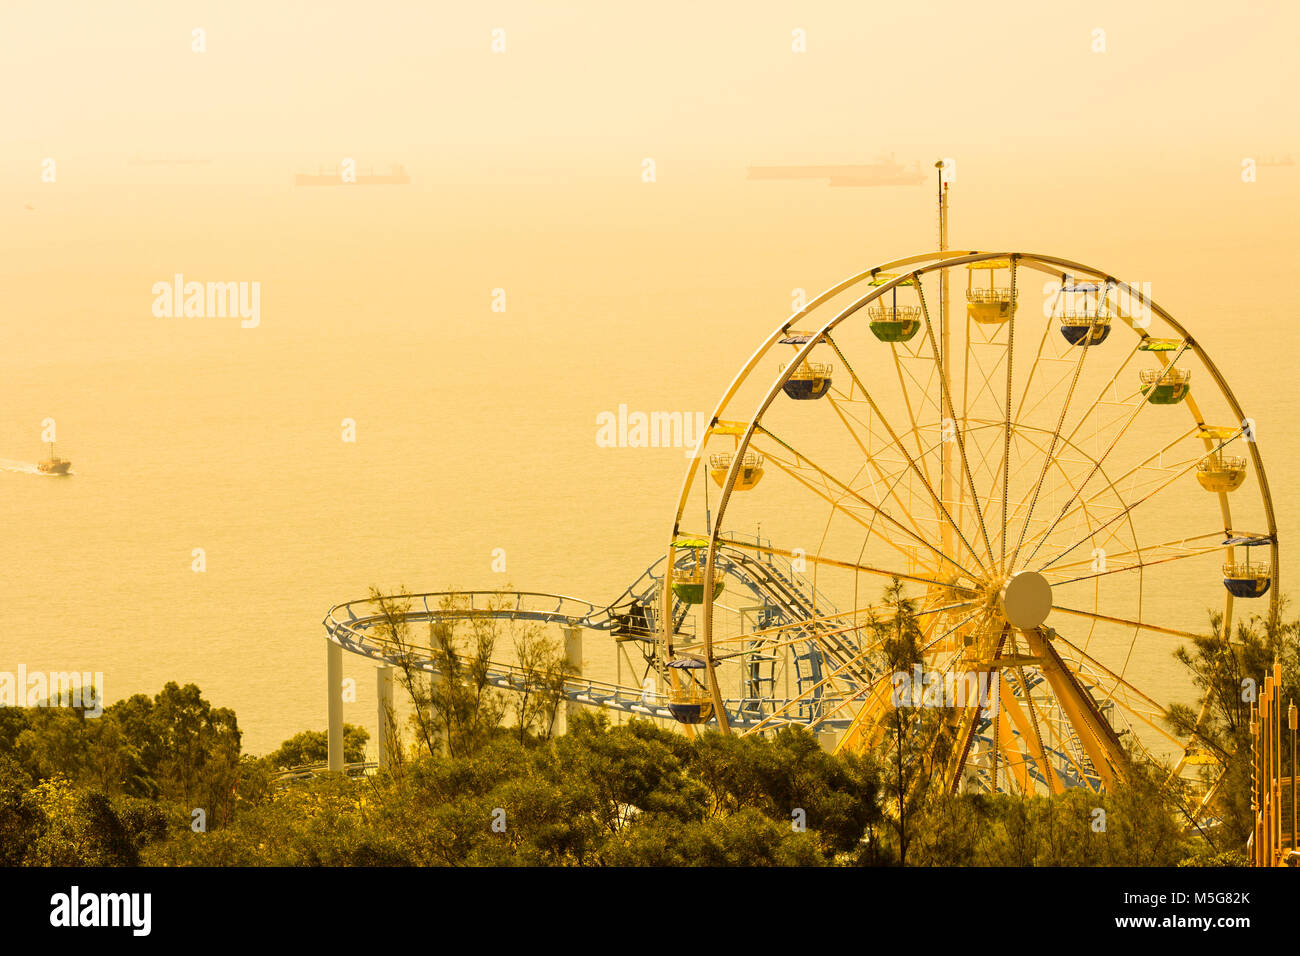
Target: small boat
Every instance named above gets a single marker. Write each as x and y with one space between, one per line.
54 465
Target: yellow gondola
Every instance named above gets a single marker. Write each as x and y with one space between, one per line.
749 474
1219 472
994 304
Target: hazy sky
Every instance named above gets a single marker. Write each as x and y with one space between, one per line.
526 171
582 83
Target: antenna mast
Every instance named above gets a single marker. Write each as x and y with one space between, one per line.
945 452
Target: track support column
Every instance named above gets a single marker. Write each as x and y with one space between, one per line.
334 682
573 655
384 694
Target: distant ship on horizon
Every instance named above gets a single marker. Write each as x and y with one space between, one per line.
54 465
396 177
885 171
139 159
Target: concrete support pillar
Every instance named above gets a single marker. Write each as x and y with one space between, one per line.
573 654
440 733
334 683
829 739
384 694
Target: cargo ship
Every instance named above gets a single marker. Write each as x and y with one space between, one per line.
885 171
396 177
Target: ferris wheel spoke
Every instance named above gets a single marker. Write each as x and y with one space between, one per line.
1140 565
769 642
1110 388
911 462
837 503
807 635
870 712
782 628
1113 485
1127 622
1151 713
1027 436
1003 423
1047 459
1006 436
848 566
912 413
874 462
1128 510
946 390
1098 464
1174 544
792 469
1022 411
1033 368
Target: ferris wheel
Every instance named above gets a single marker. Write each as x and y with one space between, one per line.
1046 467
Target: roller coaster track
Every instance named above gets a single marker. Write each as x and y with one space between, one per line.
786 598
789 610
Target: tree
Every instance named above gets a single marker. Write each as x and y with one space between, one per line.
455 709
394 629
790 777
312 747
20 821
543 669
466 707
77 828
629 770
899 636
1228 672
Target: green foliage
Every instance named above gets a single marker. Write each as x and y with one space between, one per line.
175 746
600 795
457 710
1229 672
789 773
20 821
76 828
1138 829
918 739
542 669
312 747
119 790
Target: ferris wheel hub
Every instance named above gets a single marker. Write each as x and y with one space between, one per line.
1025 600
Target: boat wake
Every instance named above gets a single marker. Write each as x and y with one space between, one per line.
22 467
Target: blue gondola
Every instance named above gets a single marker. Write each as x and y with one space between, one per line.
1248 579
